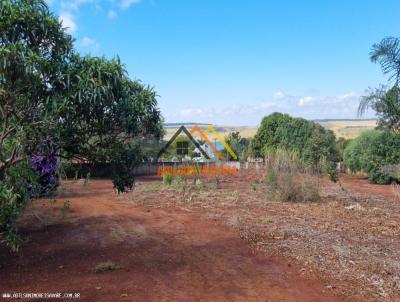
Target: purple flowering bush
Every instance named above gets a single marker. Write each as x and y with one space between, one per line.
45 162
45 167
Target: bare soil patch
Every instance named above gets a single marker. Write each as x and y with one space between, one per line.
155 246
350 240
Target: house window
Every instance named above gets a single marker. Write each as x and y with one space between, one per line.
182 148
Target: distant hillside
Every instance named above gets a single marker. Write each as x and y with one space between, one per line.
186 124
347 128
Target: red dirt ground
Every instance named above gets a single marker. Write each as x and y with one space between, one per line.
167 254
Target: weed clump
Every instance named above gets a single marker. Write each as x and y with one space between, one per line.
167 179
288 180
106 266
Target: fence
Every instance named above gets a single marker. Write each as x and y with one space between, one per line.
151 168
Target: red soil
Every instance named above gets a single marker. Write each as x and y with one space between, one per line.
167 255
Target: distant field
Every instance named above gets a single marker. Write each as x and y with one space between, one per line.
349 128
341 128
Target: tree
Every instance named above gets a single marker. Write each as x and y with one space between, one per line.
34 49
238 144
341 144
88 107
387 54
385 101
386 104
314 144
371 152
106 114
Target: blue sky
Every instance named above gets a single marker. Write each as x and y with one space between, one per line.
232 62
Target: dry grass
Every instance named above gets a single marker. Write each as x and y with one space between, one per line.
350 237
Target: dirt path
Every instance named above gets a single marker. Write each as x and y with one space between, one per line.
360 184
166 254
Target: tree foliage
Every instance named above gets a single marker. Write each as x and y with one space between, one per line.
311 141
370 152
341 144
387 54
107 115
89 107
33 51
239 145
385 101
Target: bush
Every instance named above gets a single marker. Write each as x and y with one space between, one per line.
314 144
45 167
106 266
288 180
123 167
371 152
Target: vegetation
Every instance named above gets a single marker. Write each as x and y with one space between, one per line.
385 101
87 106
377 152
106 266
370 152
289 179
239 145
311 141
341 144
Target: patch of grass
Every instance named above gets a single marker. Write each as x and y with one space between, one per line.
152 187
65 208
167 179
234 194
106 266
86 180
265 219
253 187
200 185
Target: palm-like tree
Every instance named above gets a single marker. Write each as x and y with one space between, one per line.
385 101
387 54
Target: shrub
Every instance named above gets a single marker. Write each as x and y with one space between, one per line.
123 167
371 152
45 167
106 266
314 144
289 180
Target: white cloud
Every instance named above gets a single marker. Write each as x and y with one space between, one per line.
346 96
68 21
279 95
73 4
86 41
111 14
305 100
89 44
310 106
126 3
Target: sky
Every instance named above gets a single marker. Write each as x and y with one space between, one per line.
231 62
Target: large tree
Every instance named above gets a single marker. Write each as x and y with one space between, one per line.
106 116
314 144
54 102
34 49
